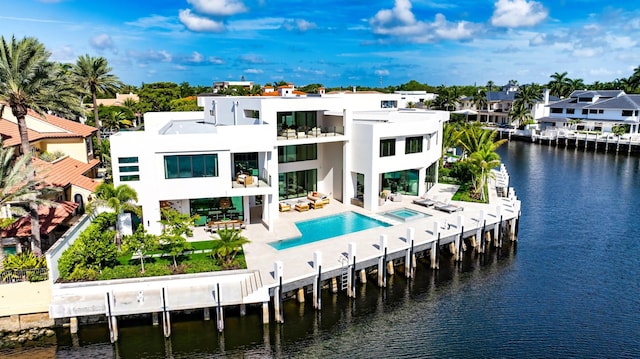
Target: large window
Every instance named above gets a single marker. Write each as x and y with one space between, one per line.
297 184
405 182
295 120
556 110
571 111
413 145
627 113
388 147
190 166
297 153
246 163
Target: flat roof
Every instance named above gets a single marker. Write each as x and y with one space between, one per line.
176 127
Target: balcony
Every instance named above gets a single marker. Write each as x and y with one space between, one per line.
249 180
305 132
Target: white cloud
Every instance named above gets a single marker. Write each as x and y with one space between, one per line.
401 23
218 7
151 56
196 57
252 59
518 13
155 21
586 52
266 23
253 71
299 25
382 72
215 60
101 42
198 23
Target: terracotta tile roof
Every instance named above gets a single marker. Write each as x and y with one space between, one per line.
66 171
68 129
71 126
49 218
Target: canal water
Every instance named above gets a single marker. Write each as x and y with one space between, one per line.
569 288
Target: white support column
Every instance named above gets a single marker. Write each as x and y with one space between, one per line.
496 229
434 245
407 258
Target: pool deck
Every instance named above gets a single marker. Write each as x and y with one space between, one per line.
298 261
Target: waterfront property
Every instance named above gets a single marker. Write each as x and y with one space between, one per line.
596 110
242 157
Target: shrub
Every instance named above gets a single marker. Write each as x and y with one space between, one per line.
24 260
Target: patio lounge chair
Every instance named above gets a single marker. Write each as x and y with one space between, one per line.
447 207
425 202
284 207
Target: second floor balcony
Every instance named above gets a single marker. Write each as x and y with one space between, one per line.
295 133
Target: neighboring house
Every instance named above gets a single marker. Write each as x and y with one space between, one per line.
597 110
219 85
241 156
499 103
118 101
75 170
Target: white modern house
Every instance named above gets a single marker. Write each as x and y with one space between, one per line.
599 110
242 156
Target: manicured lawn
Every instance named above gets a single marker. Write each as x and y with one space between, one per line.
464 194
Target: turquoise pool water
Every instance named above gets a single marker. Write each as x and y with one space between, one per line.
404 214
318 229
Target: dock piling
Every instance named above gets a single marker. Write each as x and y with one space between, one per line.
409 252
351 292
382 262
317 282
277 295
166 318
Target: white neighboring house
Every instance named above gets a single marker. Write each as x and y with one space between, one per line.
594 111
242 156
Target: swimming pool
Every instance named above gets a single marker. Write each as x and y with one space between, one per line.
322 228
404 214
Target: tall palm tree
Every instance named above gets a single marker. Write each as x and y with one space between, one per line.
480 99
559 85
450 136
94 75
520 114
115 120
490 85
482 161
28 80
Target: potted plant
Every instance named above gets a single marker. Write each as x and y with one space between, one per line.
383 198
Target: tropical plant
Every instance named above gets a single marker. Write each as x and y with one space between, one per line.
28 80
450 136
520 114
92 251
141 243
482 161
175 227
24 260
480 99
473 138
115 120
559 85
119 198
490 85
229 244
93 73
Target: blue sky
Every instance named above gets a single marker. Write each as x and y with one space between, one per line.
338 43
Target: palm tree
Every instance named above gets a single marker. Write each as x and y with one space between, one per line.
473 138
120 199
29 81
482 161
520 114
634 79
480 99
450 136
115 120
229 245
559 85
94 75
490 85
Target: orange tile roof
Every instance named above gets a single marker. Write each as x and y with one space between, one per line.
66 171
49 218
68 129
